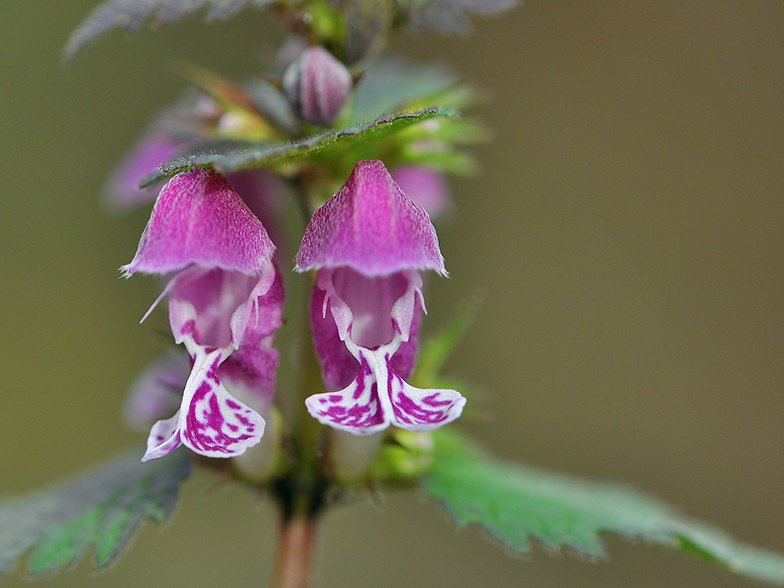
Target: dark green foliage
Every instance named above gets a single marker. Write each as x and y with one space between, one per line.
101 509
229 157
130 16
516 504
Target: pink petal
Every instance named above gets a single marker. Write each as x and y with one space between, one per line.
371 226
219 307
164 438
199 219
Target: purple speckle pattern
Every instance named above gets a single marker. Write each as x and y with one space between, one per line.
378 397
415 409
209 422
356 409
226 321
199 219
371 226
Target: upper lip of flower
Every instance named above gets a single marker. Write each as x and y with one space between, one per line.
199 219
372 227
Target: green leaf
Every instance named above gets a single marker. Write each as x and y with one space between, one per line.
392 83
130 15
256 155
101 509
516 504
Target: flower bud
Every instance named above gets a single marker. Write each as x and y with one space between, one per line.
317 85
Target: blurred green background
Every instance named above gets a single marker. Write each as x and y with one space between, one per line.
627 230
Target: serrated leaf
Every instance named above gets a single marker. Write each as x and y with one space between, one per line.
270 155
515 504
101 509
130 16
451 16
392 83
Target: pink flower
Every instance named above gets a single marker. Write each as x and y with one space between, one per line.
370 243
225 304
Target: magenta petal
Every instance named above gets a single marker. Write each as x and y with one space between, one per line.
371 226
199 219
218 308
338 366
122 190
264 194
356 409
426 187
370 303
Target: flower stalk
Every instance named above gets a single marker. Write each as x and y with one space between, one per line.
296 548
